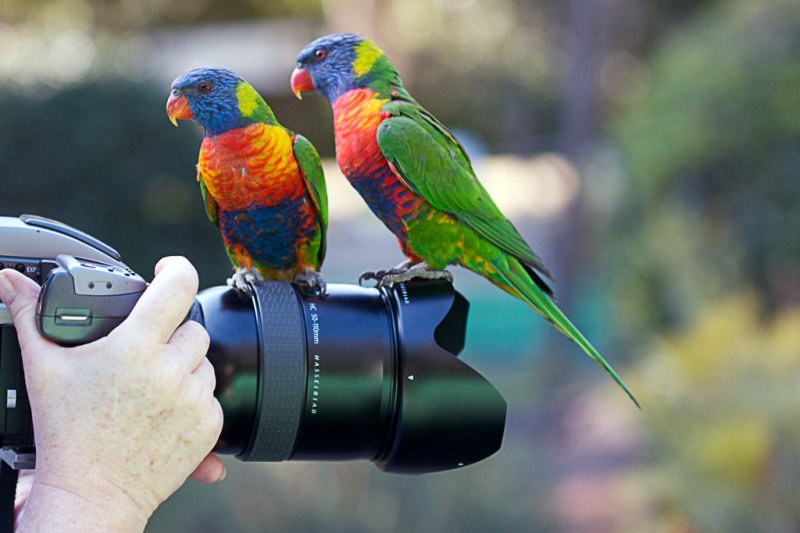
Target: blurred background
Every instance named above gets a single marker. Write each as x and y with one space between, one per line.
650 153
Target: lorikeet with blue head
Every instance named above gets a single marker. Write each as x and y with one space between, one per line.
262 185
418 180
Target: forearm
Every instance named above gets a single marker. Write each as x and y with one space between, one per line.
51 508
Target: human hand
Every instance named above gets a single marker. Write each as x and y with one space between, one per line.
121 422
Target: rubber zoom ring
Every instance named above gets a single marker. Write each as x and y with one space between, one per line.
282 391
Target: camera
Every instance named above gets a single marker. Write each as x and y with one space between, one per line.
357 373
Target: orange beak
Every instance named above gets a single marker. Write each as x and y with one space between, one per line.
301 81
178 108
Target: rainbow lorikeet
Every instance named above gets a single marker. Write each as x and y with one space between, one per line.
418 180
262 184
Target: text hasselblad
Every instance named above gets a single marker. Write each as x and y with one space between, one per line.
315 382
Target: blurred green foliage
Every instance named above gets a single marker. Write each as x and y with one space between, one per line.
722 426
706 268
713 151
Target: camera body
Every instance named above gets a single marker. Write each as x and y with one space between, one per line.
360 373
31 245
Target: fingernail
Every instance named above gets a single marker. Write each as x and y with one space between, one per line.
6 290
224 473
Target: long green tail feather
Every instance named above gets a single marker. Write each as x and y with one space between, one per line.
517 278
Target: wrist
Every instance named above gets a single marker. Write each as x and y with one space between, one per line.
54 508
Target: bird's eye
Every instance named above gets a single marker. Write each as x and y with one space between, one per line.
204 87
320 54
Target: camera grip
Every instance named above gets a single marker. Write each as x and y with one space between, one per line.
82 301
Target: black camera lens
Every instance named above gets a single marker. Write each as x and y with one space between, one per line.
359 374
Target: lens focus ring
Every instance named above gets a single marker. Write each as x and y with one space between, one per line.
283 372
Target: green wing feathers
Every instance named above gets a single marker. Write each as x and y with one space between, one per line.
212 210
434 165
311 167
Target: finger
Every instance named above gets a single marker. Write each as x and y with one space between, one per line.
166 301
205 371
210 470
19 294
191 343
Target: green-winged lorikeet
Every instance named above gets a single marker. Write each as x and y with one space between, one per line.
262 184
418 180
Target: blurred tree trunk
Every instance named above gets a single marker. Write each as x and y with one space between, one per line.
588 24
584 21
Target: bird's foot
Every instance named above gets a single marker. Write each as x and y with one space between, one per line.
405 272
378 275
242 280
312 282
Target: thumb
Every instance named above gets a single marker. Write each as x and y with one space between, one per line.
19 294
